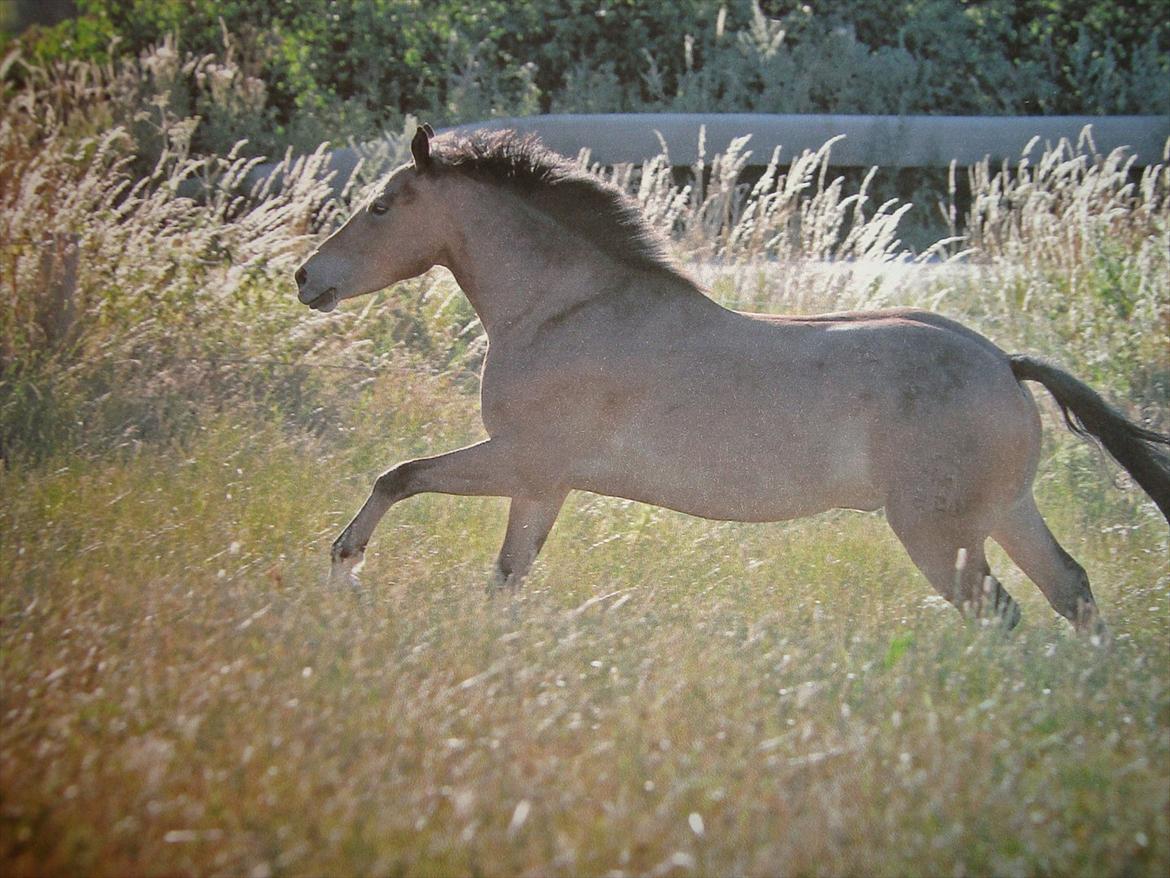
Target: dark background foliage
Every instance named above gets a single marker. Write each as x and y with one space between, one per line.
332 68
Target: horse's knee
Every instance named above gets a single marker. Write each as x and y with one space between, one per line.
392 483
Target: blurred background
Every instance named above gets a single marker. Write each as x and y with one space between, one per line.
298 72
139 127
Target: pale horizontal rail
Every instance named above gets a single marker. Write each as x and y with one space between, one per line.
885 141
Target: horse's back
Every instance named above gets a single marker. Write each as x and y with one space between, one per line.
950 426
884 318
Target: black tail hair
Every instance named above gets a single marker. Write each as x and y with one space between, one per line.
1087 414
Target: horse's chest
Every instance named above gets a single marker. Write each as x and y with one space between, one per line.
522 397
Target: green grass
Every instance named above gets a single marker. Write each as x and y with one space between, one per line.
183 693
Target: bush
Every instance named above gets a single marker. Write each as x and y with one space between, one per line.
325 70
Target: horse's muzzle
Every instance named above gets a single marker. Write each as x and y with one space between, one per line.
327 301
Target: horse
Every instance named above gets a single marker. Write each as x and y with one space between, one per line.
609 370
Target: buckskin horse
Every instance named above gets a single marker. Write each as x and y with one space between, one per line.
609 370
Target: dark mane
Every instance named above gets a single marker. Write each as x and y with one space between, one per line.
598 211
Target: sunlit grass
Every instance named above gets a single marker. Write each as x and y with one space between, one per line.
184 693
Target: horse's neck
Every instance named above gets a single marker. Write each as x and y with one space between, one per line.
517 264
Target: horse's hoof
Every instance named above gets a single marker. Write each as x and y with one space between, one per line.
500 584
1089 624
344 571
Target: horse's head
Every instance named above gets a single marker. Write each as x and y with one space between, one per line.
393 237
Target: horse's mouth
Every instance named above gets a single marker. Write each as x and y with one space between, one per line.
327 301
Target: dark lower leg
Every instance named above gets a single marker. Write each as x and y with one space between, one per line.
1030 544
529 523
955 564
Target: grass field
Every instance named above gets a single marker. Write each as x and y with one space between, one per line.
182 693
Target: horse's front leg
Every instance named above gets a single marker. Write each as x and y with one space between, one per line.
529 523
489 468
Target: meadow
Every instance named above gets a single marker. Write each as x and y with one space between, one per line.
184 693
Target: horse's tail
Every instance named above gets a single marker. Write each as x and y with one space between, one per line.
1137 449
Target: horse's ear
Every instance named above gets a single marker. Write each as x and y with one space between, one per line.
428 129
420 149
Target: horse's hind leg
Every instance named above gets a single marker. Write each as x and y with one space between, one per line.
529 523
1025 536
950 554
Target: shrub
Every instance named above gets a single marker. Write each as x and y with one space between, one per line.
324 70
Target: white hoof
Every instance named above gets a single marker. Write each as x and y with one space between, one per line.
344 571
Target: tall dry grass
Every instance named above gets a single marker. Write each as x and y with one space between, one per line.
183 694
1075 247
795 216
105 273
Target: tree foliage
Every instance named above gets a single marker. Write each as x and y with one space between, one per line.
331 68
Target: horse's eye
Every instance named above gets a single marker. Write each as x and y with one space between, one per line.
377 208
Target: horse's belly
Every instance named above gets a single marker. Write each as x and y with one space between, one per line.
739 475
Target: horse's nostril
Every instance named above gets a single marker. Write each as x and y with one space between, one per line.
301 276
